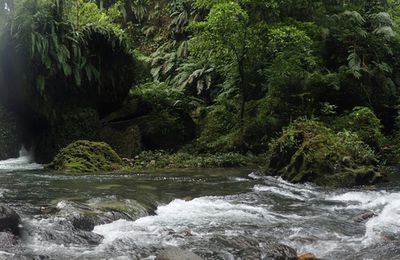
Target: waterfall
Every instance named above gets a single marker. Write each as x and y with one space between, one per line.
23 162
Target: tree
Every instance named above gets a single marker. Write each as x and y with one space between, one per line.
222 39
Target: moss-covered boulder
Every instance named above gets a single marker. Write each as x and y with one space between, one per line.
9 145
86 156
308 151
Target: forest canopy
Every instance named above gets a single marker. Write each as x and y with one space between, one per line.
240 70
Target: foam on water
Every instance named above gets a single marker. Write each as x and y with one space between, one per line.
386 223
278 191
23 162
198 215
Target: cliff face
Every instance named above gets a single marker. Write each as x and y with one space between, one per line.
9 144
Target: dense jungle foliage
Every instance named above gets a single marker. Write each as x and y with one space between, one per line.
199 77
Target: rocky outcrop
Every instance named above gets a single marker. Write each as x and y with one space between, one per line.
9 145
69 126
308 151
125 141
86 156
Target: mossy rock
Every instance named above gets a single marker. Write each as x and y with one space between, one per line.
308 151
9 145
85 157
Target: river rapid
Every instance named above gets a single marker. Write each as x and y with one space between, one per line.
217 214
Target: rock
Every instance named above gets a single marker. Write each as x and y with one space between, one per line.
276 251
307 256
112 216
9 145
82 222
242 247
9 220
173 253
365 216
61 232
69 126
86 156
125 141
308 151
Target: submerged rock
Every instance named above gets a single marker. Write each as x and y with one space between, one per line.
112 216
308 151
9 220
86 156
173 253
60 232
365 216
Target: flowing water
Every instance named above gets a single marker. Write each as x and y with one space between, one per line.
218 214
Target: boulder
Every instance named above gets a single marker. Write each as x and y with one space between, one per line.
125 141
82 222
86 156
9 220
173 253
307 256
308 151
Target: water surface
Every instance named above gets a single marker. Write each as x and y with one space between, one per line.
218 214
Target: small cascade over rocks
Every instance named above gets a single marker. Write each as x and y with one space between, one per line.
23 162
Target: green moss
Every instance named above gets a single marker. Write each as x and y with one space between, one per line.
162 159
308 151
364 122
165 122
219 130
86 156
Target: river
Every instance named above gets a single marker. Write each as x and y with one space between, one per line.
218 214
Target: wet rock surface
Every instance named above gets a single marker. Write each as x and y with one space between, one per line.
277 251
82 222
365 216
61 232
9 220
173 253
